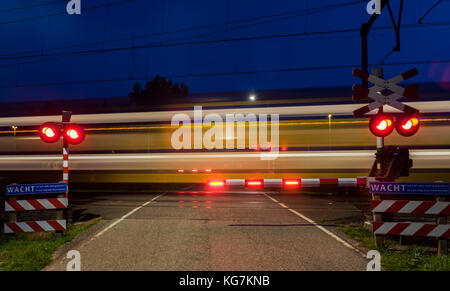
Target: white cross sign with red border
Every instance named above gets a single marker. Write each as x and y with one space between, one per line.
375 92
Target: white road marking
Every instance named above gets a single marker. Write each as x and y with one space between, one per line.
125 216
346 244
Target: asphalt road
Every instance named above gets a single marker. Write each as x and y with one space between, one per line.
227 231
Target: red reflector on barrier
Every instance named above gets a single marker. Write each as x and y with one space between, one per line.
180 171
216 183
194 170
208 170
254 183
291 183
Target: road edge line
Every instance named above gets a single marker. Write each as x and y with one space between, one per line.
125 216
323 229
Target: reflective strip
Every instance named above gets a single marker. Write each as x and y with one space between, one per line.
412 228
7 229
273 182
8 207
410 207
46 204
25 204
45 225
25 227
65 151
310 182
439 230
385 228
437 208
383 206
65 176
64 201
235 182
65 164
347 182
62 222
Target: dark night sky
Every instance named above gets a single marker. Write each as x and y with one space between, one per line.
223 57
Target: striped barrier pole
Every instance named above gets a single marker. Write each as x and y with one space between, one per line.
63 214
66 165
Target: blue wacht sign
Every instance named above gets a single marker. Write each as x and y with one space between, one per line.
409 188
28 189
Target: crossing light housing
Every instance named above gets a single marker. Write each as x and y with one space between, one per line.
407 125
74 134
381 125
50 132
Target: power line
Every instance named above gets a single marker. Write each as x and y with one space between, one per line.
313 10
64 13
296 13
174 44
79 82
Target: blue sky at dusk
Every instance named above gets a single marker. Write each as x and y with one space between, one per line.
211 46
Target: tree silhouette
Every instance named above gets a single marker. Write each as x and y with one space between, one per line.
159 91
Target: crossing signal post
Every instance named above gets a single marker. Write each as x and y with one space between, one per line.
51 132
391 162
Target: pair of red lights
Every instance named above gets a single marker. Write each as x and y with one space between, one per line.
51 132
383 125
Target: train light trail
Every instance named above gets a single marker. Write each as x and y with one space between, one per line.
381 125
407 125
50 132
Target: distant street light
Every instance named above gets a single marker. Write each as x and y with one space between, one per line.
14 129
252 97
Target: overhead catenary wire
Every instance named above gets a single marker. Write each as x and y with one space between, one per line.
200 42
81 82
291 14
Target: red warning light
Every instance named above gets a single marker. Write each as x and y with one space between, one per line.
254 183
216 183
50 132
407 125
291 183
74 134
381 125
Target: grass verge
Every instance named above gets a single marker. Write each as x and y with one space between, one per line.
413 258
33 251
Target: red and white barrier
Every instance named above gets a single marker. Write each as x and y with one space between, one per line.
411 207
412 229
36 204
288 183
35 226
66 165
